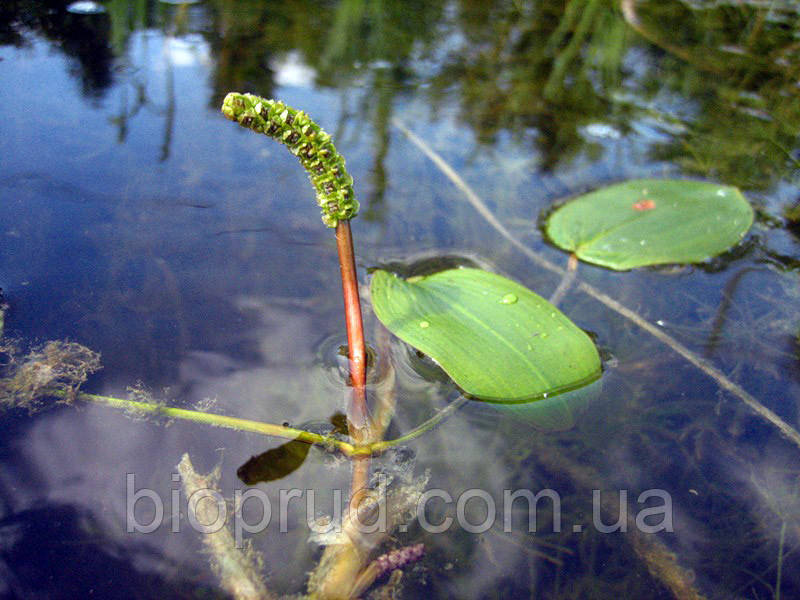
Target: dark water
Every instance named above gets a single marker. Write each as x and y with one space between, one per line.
138 222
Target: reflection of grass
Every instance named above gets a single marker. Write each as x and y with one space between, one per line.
744 124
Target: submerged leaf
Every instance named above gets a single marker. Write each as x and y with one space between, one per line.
495 338
560 413
650 222
278 462
274 464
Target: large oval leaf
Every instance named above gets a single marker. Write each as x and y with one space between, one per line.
650 221
495 338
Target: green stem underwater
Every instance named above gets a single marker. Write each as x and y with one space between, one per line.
239 424
270 429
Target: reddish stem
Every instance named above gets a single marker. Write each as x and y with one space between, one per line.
357 415
352 306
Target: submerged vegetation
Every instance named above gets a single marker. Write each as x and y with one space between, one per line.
56 368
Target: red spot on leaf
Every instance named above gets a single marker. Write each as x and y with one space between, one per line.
643 205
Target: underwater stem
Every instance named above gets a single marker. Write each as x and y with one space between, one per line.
239 424
355 327
237 568
566 280
358 421
289 433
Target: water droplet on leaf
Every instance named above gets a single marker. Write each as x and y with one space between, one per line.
509 299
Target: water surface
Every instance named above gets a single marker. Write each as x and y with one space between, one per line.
138 222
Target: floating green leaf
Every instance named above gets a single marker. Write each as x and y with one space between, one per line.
495 338
650 222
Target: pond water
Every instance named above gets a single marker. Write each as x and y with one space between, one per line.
137 221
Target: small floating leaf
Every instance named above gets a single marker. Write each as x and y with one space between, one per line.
492 350
650 221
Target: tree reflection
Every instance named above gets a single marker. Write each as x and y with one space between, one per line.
82 38
539 71
372 45
738 65
725 75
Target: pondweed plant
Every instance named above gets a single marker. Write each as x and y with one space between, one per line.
335 196
496 339
479 326
58 369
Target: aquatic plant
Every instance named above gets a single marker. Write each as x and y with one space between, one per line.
306 140
437 314
495 338
56 367
335 196
651 222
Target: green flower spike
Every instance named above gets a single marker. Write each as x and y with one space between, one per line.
308 142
